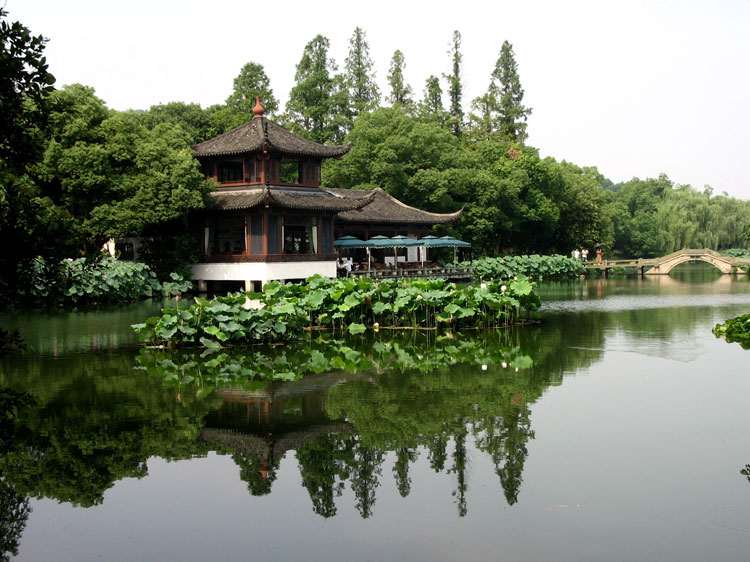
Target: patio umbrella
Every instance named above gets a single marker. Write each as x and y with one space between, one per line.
374 242
349 242
395 242
456 244
424 241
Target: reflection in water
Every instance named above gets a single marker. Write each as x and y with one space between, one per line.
14 507
353 419
87 422
57 332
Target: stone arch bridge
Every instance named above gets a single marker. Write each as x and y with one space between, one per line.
665 264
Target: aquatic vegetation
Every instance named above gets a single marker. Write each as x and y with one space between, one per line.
352 306
324 355
735 330
534 267
75 282
737 252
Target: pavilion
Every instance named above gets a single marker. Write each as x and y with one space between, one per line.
270 219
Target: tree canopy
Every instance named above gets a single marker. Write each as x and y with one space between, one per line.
74 172
252 81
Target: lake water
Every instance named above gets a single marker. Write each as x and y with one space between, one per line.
616 429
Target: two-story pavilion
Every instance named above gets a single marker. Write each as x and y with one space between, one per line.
269 217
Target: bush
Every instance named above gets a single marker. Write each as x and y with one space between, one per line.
534 266
737 253
351 306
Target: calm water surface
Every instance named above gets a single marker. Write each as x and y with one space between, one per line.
617 429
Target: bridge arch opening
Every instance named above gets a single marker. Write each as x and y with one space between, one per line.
670 262
695 268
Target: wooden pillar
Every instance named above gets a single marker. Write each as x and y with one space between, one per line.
247 235
266 226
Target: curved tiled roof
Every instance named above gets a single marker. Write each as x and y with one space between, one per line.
290 198
384 208
260 132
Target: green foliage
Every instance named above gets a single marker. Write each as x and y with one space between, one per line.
252 81
455 87
737 252
501 108
199 124
654 217
388 149
359 75
24 84
513 200
86 422
400 89
249 367
317 105
109 175
82 282
735 330
340 305
431 107
533 266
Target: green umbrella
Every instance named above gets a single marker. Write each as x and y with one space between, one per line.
350 242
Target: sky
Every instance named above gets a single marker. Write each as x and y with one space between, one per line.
635 88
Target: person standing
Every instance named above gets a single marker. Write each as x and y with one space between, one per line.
585 255
576 254
599 255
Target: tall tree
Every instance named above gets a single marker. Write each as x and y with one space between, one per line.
506 88
432 99
400 90
359 73
250 82
24 85
455 88
317 101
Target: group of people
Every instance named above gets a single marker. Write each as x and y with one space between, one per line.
583 254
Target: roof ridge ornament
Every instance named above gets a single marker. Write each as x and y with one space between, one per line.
258 109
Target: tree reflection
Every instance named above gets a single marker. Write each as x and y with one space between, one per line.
343 411
14 507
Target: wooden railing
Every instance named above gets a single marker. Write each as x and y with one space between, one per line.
458 274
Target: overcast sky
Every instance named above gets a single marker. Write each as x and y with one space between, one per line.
635 88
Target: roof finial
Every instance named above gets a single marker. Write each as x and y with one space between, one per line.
258 110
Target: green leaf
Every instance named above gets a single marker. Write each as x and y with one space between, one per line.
210 344
355 328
